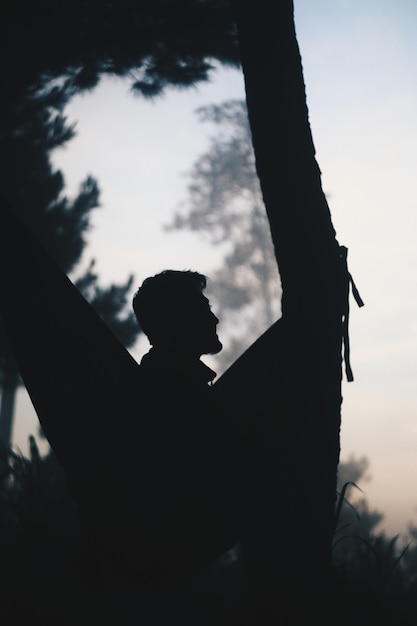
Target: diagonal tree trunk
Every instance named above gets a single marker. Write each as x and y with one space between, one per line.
315 285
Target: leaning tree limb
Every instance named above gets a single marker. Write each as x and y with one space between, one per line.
314 278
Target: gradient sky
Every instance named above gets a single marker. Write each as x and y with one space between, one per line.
360 69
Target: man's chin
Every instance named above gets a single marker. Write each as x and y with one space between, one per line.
216 347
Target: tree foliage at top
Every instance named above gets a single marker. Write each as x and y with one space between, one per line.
225 206
154 44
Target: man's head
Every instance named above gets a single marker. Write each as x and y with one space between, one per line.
175 315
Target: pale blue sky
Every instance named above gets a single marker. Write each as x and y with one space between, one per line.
360 66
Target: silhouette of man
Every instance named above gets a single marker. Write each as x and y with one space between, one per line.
179 323
179 505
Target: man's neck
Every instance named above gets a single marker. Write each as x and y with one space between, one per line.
183 362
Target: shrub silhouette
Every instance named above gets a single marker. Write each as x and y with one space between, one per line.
42 560
39 538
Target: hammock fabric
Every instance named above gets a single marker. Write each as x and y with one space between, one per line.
76 372
87 389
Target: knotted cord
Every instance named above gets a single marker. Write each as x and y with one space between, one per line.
350 287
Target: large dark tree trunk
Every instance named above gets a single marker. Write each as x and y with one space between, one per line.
314 281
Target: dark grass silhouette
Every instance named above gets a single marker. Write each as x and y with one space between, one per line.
50 576
39 539
374 575
47 575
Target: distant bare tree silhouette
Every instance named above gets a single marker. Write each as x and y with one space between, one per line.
224 205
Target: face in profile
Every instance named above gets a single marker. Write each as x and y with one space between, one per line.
200 327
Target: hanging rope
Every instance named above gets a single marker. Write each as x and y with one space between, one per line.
350 286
